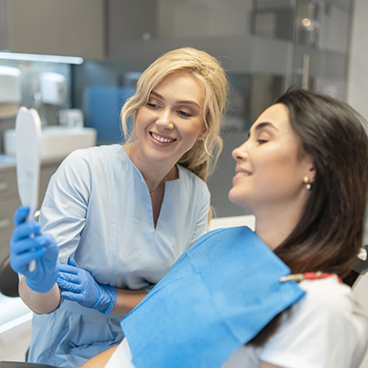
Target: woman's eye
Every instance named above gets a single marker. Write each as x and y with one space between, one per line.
183 113
262 141
152 105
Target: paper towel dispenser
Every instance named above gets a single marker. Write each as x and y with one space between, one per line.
52 88
10 85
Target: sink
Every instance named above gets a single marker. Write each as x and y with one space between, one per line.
56 142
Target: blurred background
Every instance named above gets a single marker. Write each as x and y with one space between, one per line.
266 46
77 61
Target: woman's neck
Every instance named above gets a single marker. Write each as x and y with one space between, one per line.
154 175
275 224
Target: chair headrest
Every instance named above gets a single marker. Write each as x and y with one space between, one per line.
8 279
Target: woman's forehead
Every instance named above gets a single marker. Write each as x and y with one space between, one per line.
275 117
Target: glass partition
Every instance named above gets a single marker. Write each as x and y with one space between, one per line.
203 18
266 46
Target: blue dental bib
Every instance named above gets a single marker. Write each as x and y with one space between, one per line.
216 298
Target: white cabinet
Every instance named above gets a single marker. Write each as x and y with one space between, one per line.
53 27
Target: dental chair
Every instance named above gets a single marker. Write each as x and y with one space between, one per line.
360 269
8 279
23 365
9 287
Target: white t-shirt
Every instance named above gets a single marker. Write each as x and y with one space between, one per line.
325 329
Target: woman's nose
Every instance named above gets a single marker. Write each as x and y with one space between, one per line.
240 153
165 119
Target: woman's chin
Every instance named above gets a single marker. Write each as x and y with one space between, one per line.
239 199
235 198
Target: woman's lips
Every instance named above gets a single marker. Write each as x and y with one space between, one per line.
241 174
162 139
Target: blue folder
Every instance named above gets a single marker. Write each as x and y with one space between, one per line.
103 106
216 298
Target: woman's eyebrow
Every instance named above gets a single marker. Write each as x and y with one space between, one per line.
264 125
188 102
153 93
261 126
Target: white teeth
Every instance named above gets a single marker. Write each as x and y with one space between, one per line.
161 139
242 173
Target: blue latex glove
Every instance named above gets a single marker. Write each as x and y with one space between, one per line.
29 243
79 286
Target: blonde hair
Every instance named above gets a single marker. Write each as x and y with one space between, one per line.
202 157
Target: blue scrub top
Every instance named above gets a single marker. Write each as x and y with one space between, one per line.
99 209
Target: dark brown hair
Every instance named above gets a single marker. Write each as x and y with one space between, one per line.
329 234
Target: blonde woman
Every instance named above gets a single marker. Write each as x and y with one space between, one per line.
116 218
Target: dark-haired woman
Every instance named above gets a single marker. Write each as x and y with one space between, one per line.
303 172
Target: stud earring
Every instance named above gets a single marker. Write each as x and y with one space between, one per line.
308 184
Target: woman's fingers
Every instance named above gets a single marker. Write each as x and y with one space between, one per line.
20 214
69 286
68 269
68 277
79 298
26 258
28 244
72 262
25 230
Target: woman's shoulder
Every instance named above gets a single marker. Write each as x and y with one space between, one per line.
326 328
93 156
96 152
190 179
327 301
328 295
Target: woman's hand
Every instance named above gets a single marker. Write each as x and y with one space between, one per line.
28 243
78 285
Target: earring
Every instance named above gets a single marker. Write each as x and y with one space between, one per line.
308 184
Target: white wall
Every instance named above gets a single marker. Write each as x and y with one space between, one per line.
357 95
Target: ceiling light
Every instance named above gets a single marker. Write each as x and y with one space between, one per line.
43 58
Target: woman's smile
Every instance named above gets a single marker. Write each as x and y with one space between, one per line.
240 174
162 139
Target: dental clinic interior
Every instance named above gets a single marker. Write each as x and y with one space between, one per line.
76 62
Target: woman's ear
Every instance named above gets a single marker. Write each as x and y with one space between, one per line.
203 134
310 171
312 175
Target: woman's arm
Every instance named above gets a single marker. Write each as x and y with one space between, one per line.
127 300
78 285
268 365
100 360
39 303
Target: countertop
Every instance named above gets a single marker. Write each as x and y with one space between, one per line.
8 162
